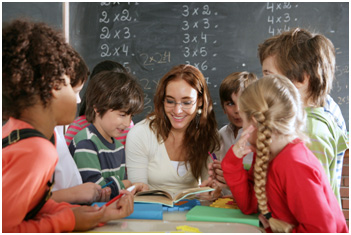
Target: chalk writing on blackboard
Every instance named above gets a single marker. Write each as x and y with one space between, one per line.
279 17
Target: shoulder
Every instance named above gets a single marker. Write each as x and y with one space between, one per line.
86 133
223 129
319 122
296 159
141 128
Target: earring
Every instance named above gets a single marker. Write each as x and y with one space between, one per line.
197 118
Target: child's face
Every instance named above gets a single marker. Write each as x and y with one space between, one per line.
181 92
246 123
112 123
65 101
269 67
231 109
77 89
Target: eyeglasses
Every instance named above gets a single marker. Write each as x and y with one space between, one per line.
185 104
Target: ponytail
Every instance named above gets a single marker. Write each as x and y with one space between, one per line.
264 133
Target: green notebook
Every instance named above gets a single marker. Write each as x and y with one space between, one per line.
213 214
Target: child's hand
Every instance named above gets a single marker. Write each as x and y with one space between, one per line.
218 172
213 195
105 195
120 208
240 148
87 217
87 193
139 187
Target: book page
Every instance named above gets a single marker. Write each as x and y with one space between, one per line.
192 191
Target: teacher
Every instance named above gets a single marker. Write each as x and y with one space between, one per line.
169 150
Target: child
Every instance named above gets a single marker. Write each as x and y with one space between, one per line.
81 122
112 99
37 95
229 91
308 60
286 182
68 185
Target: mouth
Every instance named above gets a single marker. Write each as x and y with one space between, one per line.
120 130
178 119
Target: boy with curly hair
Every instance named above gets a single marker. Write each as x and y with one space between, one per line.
39 92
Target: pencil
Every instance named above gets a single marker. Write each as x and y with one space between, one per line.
104 186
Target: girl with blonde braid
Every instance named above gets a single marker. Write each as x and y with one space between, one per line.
286 182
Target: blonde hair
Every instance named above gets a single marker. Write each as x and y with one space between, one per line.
274 102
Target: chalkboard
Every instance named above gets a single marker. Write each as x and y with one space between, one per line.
50 13
218 38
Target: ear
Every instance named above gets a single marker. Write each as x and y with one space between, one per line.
306 80
55 93
200 102
95 110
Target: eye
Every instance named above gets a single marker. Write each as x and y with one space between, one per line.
187 103
170 101
122 114
229 103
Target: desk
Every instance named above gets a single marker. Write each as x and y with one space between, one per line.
170 222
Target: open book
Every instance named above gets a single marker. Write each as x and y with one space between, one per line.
166 198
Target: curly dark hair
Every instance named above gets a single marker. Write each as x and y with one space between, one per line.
34 57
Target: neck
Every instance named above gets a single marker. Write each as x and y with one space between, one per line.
176 136
40 118
278 144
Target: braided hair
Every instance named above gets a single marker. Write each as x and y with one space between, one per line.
274 102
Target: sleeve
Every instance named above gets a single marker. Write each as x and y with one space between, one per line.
323 146
240 182
24 181
306 198
137 151
86 156
52 218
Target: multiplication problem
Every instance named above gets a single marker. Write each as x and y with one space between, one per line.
279 18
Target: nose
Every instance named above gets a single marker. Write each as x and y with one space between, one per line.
177 108
236 109
78 98
127 121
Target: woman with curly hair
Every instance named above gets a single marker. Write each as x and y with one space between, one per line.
286 183
169 150
40 87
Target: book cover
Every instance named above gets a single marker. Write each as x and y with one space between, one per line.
213 214
142 211
165 198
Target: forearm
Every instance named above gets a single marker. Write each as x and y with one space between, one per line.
65 195
240 185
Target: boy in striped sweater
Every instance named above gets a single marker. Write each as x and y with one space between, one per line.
112 99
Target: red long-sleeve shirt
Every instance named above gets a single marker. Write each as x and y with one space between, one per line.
27 166
297 189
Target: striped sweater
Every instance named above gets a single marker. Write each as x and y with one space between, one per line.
81 122
327 142
99 161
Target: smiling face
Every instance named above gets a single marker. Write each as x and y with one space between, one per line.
180 91
112 123
231 109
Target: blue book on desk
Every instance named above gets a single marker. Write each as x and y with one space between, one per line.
142 211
